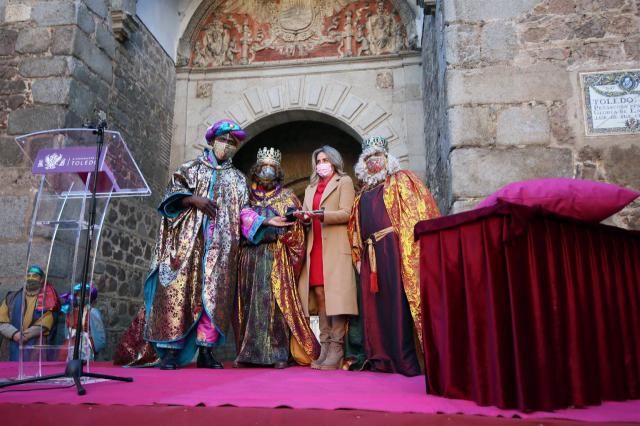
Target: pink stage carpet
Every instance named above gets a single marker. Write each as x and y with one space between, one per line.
298 388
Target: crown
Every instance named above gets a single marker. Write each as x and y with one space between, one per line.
269 156
375 142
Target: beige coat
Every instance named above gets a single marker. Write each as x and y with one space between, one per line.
339 275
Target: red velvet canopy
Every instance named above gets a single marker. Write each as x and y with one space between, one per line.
526 309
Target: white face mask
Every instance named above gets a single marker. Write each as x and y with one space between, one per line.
324 169
223 150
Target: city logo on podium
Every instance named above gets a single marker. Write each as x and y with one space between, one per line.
53 161
65 160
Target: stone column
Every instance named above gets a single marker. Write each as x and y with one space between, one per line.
348 35
244 43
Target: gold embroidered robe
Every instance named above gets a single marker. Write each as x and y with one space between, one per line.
407 201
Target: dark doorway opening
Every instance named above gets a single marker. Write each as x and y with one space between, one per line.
297 140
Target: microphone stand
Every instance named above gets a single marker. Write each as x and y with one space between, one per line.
75 366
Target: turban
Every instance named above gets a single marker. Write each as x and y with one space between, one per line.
223 127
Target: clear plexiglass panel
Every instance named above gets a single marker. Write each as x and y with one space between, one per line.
67 158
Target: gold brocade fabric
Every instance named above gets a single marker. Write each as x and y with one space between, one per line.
353 231
407 201
133 349
195 256
289 251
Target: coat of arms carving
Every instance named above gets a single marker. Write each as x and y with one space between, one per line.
246 31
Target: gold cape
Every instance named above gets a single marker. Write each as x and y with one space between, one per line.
407 201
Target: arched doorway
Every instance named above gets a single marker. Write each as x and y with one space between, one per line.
339 96
297 138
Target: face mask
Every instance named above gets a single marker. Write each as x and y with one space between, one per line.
33 285
324 169
223 151
376 164
267 174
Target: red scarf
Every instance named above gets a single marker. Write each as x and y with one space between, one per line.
48 299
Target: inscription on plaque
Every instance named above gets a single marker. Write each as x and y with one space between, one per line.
611 102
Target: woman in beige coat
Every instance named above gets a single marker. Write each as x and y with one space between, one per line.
328 274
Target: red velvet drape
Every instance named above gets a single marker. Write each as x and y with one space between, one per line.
524 309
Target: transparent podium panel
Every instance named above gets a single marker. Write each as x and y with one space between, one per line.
42 360
67 158
38 360
64 162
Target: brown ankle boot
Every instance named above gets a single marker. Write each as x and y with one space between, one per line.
325 332
335 354
334 357
324 349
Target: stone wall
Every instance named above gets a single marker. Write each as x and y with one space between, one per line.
141 108
436 130
59 64
513 93
36 45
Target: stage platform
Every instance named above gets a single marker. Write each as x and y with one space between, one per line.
266 396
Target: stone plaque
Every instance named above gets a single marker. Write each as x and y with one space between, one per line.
611 102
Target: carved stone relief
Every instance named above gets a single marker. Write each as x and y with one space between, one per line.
248 31
384 80
203 89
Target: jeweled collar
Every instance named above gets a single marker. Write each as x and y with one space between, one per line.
261 195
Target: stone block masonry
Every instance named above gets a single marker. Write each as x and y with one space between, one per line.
59 65
512 96
523 125
487 168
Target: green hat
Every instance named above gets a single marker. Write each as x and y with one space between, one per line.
35 269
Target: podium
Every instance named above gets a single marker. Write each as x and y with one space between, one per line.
63 164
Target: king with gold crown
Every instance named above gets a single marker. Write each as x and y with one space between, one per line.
384 214
270 313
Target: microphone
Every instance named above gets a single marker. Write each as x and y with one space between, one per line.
101 124
102 120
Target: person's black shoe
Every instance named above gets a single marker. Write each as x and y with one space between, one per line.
170 360
206 359
281 365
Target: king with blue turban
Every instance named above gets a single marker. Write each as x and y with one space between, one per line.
189 291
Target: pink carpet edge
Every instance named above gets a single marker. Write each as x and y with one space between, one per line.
296 388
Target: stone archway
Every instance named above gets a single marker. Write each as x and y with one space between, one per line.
297 134
362 97
372 92
305 99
